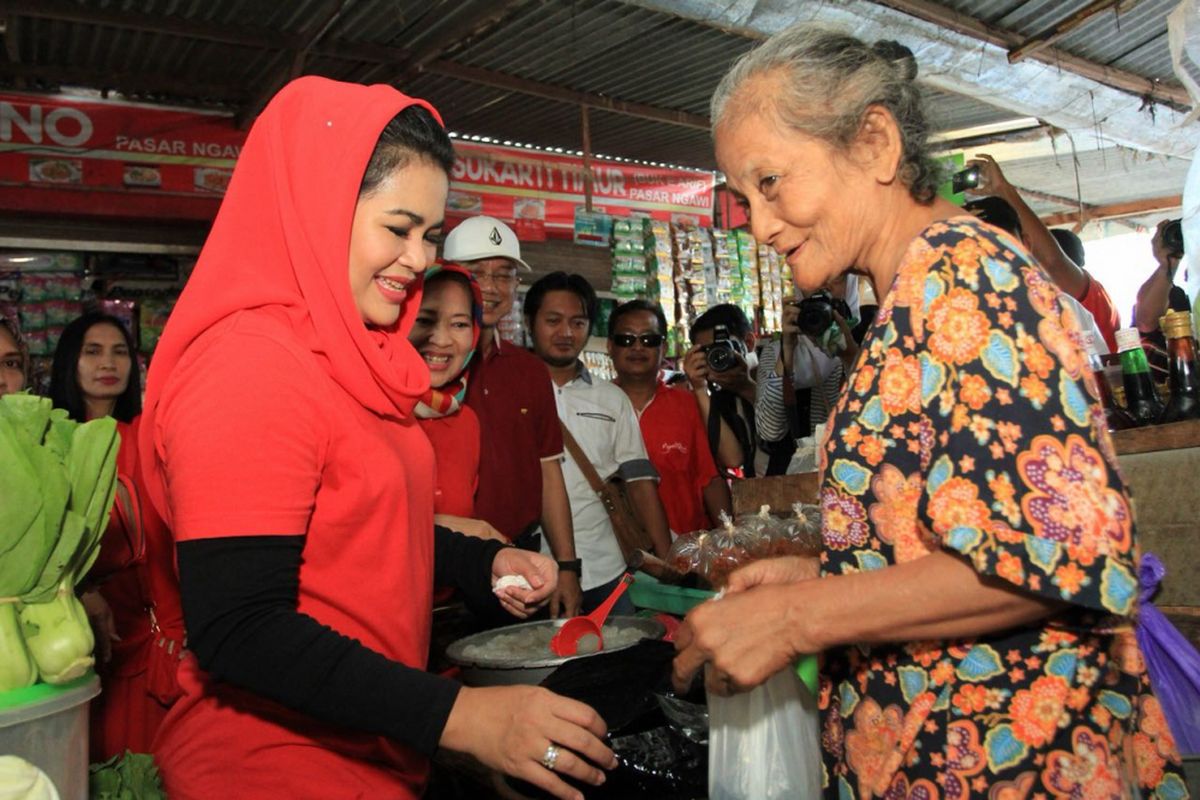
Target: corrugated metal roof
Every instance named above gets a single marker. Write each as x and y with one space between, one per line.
603 47
1133 40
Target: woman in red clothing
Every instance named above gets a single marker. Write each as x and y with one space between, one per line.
133 594
445 334
282 447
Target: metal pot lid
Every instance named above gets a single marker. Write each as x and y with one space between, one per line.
650 629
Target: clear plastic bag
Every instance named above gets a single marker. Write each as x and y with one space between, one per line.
686 552
765 744
803 530
727 549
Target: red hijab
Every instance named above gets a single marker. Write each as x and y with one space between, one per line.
281 239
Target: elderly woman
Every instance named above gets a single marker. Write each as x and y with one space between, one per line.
979 565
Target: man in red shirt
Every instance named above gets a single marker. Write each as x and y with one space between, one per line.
691 490
520 470
1067 273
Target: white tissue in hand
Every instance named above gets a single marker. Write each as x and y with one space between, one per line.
511 580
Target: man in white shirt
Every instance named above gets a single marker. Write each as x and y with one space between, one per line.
559 310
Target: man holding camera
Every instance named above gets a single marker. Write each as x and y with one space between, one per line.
1070 277
720 368
801 375
1154 297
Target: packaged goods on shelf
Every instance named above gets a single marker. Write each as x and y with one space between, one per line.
771 278
629 274
747 254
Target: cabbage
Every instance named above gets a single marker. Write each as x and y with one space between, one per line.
56 491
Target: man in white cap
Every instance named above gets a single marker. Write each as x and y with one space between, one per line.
521 484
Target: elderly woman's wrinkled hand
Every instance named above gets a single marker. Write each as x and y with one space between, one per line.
746 638
786 569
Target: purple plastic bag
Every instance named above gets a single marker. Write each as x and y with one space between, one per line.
1173 664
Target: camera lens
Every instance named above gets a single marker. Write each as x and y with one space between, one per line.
720 358
816 315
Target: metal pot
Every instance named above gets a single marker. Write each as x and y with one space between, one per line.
482 671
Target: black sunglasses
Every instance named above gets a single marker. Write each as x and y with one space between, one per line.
647 339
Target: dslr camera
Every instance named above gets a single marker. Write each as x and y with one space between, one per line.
1172 237
816 312
722 354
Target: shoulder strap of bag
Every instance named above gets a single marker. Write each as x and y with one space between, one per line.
581 460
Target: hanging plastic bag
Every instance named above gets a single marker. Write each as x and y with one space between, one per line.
1173 664
765 744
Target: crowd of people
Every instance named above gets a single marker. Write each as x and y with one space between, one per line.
333 429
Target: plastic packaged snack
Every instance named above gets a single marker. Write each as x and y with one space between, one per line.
803 530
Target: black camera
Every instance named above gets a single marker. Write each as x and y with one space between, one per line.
722 354
1172 237
964 179
816 312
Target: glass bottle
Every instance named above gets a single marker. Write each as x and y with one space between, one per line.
1116 418
1141 400
1184 382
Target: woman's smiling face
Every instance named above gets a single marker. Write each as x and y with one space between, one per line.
394 238
803 197
444 331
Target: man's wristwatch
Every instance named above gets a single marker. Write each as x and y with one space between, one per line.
575 565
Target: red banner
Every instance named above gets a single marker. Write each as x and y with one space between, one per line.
542 190
116 159
61 154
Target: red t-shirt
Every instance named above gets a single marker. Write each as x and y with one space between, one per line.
258 439
509 389
455 440
678 447
1096 300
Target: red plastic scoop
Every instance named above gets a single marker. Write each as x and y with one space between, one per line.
566 641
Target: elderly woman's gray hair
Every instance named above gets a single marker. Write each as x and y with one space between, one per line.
827 81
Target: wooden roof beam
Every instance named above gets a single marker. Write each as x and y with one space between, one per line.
1060 29
135 83
512 83
468 29
1130 209
292 63
1110 76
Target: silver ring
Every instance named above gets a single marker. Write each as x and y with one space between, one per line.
550 758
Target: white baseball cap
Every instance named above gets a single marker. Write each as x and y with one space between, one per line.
476 238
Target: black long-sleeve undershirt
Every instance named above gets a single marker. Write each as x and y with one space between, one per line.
240 606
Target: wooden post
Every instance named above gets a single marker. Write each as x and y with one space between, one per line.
586 130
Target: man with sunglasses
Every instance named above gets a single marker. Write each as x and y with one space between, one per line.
691 490
521 488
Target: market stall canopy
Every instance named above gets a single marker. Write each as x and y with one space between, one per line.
1077 99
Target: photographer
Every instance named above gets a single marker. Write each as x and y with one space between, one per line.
1070 277
1153 298
719 369
813 356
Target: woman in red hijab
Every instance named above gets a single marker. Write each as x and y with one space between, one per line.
281 445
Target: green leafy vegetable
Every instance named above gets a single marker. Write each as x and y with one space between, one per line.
56 492
132 776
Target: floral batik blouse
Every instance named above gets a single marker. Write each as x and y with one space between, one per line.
971 423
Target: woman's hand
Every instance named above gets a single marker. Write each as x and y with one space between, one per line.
539 570
746 637
510 728
478 528
785 569
104 625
